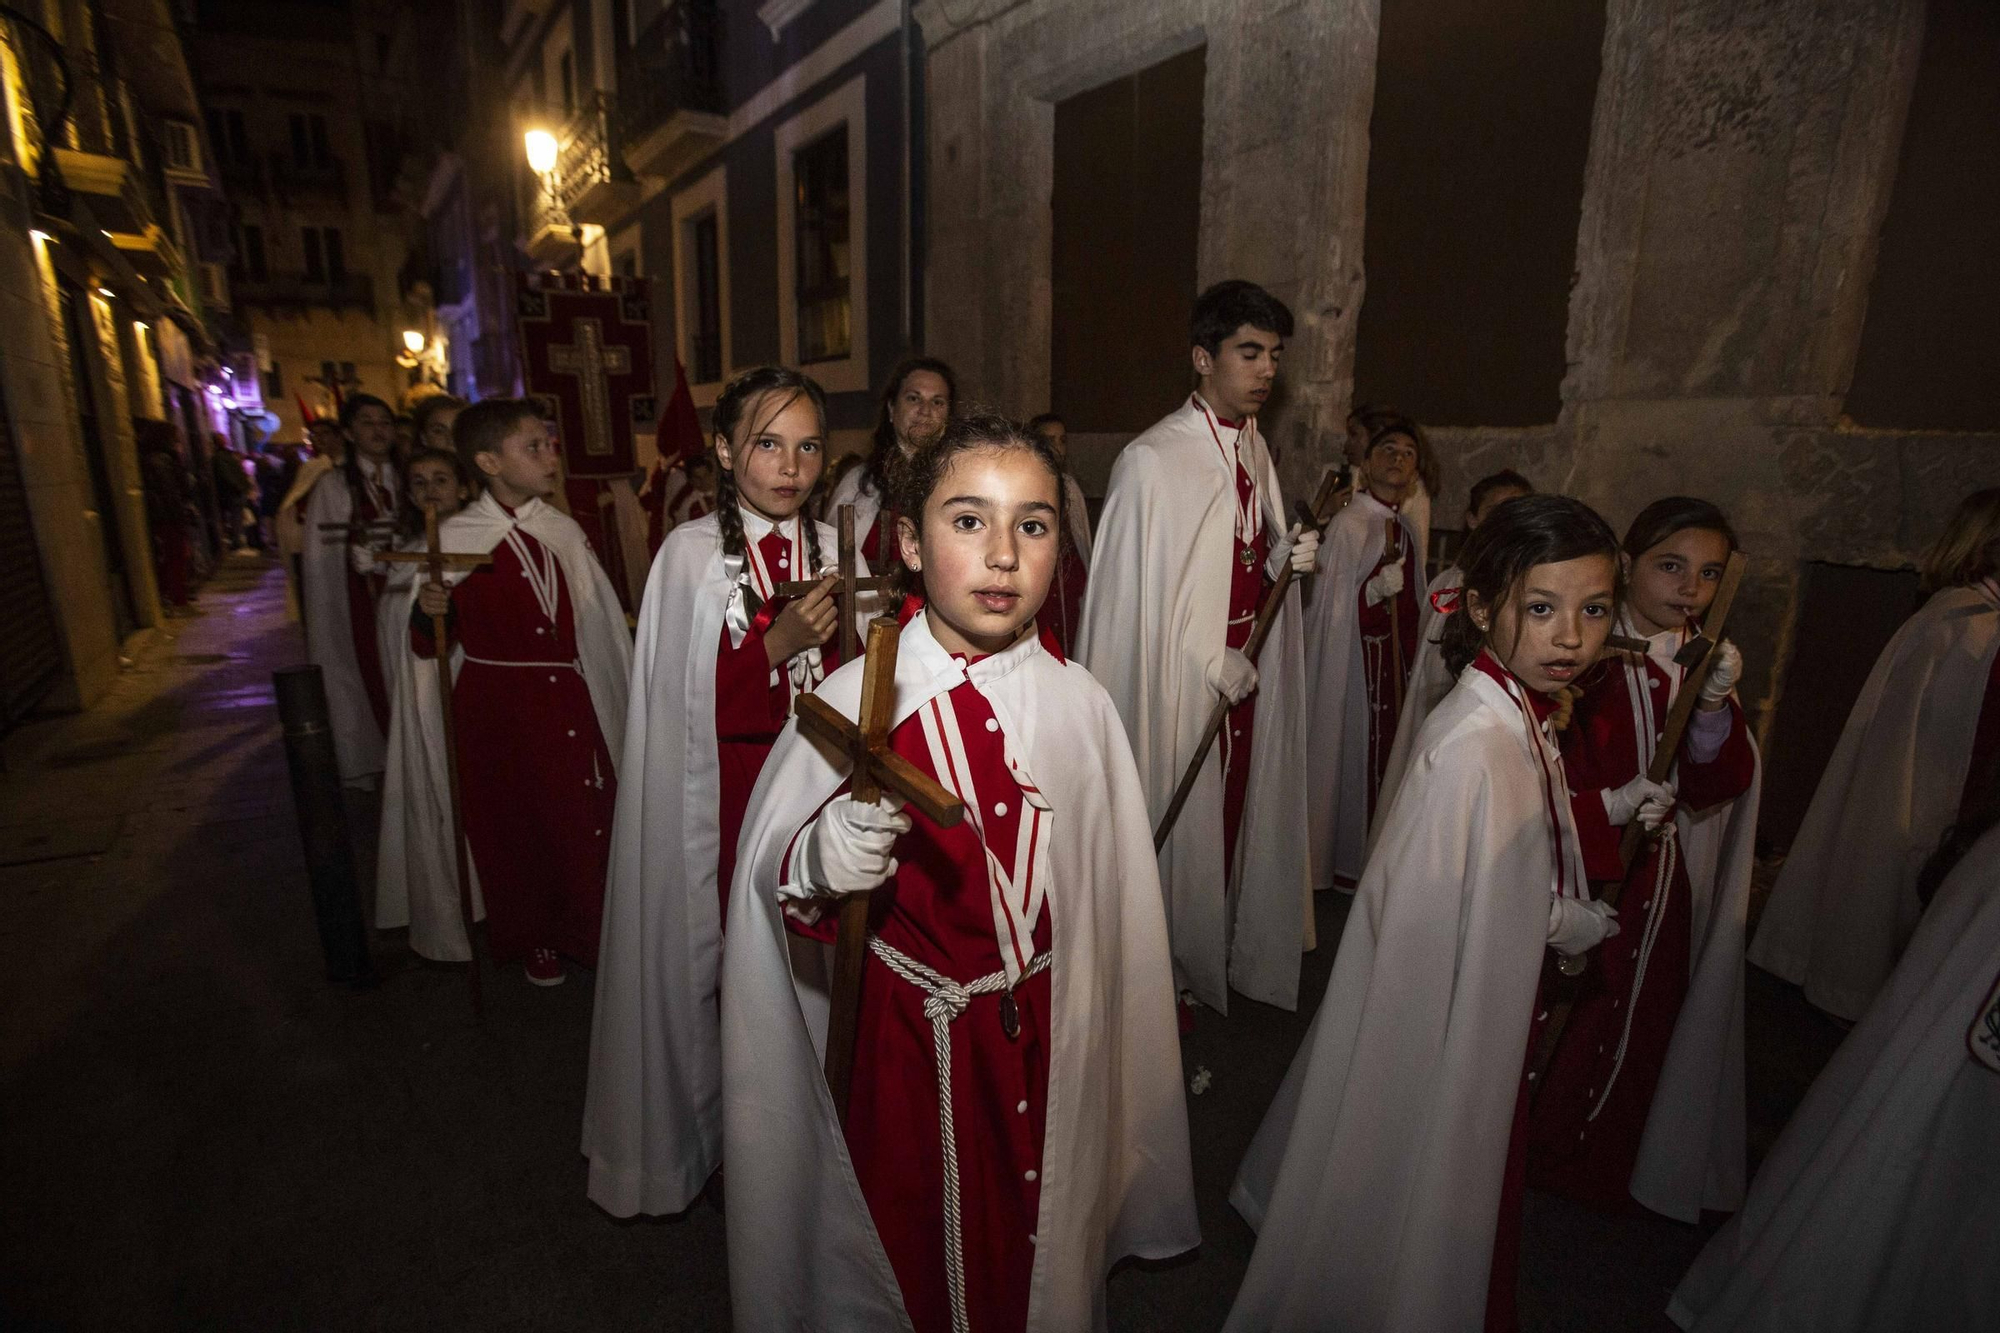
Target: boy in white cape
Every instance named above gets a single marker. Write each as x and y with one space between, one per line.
1192 534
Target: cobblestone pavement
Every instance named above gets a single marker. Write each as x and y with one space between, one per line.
200 1132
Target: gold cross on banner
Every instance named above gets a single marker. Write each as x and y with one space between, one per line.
591 360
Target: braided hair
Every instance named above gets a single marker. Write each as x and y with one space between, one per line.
923 474
1528 531
884 453
736 398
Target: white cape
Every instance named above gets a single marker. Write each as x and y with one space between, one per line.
1374 1181
1693 1151
357 738
652 1118
416 878
1116 1177
1429 683
1154 616
1846 899
1879 1206
1337 710
866 500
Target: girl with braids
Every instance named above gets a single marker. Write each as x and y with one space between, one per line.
1644 1097
366 488
720 656
1385 1181
1016 1123
1921 746
918 400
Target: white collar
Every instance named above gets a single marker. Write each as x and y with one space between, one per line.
756 527
942 665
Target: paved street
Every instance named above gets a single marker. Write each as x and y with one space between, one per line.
200 1132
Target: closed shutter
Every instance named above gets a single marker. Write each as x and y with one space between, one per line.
31 647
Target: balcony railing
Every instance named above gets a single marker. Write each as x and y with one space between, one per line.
350 291
675 66
588 172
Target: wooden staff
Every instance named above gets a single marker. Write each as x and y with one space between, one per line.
435 562
1394 542
1662 767
1324 504
877 768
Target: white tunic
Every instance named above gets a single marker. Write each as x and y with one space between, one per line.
1429 682
1879 1206
1374 1182
1846 899
1116 1178
1154 617
1337 685
416 878
1692 1154
357 737
652 1119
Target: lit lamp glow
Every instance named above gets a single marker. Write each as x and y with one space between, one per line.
541 147
413 340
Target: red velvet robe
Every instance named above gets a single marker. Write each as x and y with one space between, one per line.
1247 584
1570 1152
753 699
938 910
535 777
1379 661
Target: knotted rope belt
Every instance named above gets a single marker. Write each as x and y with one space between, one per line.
946 1000
1663 883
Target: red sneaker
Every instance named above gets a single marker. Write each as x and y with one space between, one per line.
545 968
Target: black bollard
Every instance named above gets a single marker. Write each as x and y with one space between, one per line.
323 823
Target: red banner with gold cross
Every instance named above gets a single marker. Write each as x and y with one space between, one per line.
587 358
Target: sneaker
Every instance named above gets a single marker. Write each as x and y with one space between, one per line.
545 968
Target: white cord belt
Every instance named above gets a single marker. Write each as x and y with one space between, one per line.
947 999
1663 883
576 666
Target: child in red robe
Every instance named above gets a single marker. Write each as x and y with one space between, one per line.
1016 1122
721 658
539 696
1592 1111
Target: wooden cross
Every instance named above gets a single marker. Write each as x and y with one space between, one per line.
877 769
850 587
436 561
368 532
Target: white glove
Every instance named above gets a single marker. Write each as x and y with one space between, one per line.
849 848
1233 676
1388 581
1580 924
1305 548
1725 669
361 558
1642 799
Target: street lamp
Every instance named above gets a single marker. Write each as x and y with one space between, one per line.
413 340
541 151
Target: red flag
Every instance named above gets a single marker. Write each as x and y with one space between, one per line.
680 429
678 441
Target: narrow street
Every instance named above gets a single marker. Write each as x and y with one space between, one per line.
201 1132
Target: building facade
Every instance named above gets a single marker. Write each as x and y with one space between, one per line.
751 163
308 107
109 211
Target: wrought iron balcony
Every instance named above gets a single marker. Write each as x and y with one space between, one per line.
591 182
350 291
670 105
